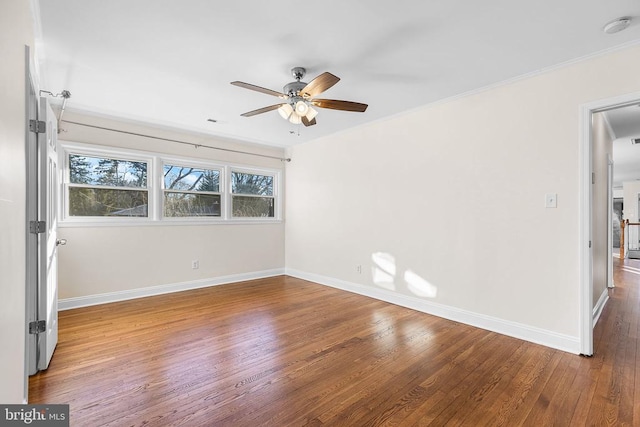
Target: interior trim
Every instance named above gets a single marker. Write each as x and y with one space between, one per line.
89 300
597 310
544 337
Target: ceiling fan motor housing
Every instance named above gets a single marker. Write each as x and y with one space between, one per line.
293 89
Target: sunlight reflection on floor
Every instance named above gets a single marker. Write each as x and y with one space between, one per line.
631 270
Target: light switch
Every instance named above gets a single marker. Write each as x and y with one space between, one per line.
551 200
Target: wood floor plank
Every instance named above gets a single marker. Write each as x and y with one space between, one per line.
555 406
433 364
286 352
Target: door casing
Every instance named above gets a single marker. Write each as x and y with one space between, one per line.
585 212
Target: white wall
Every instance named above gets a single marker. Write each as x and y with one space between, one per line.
602 152
103 260
631 190
17 31
455 193
110 259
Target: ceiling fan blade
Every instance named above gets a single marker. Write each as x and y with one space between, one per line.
259 89
318 85
261 110
340 105
307 122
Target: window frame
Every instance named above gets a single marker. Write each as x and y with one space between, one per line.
66 183
156 191
253 171
183 162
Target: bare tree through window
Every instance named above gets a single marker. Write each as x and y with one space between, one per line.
252 195
191 191
107 187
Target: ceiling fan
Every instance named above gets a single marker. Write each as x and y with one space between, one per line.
299 98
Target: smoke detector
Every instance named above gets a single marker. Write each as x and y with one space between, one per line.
617 25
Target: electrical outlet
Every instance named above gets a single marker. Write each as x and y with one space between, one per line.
195 264
359 269
551 200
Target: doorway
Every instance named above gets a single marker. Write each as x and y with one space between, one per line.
591 219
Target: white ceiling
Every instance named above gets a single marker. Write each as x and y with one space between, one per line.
169 63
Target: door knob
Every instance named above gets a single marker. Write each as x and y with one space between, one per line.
61 242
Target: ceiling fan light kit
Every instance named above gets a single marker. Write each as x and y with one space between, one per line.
301 108
299 97
285 111
295 119
311 113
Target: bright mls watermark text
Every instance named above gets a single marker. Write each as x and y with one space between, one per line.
34 415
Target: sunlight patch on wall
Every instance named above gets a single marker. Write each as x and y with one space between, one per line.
384 273
384 270
419 286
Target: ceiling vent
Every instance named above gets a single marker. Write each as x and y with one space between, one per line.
635 141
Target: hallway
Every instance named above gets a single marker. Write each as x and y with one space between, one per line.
614 369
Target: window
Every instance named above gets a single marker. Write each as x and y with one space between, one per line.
107 186
191 191
115 186
252 195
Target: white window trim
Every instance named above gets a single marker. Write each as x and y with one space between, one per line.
155 187
90 150
181 161
277 214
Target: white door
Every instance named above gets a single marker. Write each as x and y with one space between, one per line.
48 243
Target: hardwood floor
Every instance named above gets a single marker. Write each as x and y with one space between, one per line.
286 352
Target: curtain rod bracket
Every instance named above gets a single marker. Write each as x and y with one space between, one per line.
65 95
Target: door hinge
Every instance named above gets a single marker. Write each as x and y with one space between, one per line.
593 177
37 327
36 227
37 126
589 243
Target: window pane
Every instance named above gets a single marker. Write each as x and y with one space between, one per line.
253 207
107 171
247 183
106 202
191 179
189 204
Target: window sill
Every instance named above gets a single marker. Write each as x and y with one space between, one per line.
166 223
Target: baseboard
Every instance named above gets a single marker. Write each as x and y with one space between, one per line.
513 329
85 301
597 310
